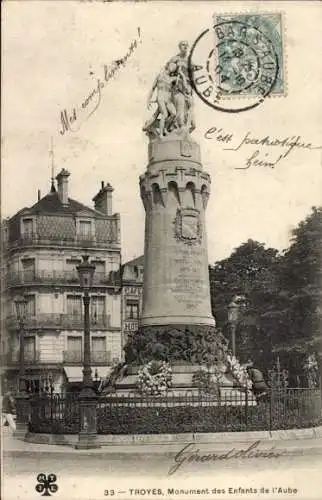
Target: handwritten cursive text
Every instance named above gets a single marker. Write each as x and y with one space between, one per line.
70 121
190 454
260 158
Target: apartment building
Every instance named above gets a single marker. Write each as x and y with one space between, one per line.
132 287
42 246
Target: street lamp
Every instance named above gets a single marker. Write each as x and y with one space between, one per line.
233 317
22 399
21 310
85 272
87 397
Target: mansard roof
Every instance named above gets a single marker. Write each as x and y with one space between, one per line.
138 261
51 204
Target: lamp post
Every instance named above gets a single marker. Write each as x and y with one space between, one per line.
87 397
233 317
21 310
22 399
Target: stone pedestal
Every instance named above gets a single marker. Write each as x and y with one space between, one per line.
175 191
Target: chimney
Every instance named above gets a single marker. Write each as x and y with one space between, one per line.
39 194
103 199
62 184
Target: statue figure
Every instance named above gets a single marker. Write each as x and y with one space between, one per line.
163 83
182 93
174 98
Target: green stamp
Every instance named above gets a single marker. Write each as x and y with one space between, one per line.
249 54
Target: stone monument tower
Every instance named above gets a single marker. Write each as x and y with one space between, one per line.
175 191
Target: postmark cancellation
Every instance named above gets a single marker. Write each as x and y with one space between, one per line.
239 61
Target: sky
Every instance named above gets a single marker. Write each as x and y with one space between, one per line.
55 52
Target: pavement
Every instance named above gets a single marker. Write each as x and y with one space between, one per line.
293 442
150 471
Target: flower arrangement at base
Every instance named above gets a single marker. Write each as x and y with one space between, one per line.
239 372
154 378
207 380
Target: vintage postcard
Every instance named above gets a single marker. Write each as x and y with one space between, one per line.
161 250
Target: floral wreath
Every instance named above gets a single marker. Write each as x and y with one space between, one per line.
239 372
154 378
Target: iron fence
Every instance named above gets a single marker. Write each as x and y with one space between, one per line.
54 414
193 413
233 411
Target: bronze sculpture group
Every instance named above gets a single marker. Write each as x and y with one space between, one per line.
174 114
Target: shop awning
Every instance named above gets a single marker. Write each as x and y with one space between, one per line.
75 373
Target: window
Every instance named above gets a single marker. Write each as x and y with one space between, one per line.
28 269
74 305
85 229
97 308
99 353
74 349
99 273
31 305
72 274
27 227
30 349
132 310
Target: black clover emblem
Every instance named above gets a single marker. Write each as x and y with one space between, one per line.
46 484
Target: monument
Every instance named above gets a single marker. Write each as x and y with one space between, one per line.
175 191
177 339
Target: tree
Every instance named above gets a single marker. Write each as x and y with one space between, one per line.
251 271
300 281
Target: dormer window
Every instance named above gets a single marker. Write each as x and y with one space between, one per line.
85 229
27 228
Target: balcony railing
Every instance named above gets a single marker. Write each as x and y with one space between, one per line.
29 357
97 357
73 357
80 240
101 357
58 277
61 321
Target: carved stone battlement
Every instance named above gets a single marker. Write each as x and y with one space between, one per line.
178 187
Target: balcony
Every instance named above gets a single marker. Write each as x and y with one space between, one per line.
58 278
12 358
79 240
60 322
97 357
101 357
72 357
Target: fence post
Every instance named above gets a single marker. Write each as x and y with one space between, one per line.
23 413
88 420
270 409
246 407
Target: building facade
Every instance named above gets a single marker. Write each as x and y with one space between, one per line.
132 287
42 246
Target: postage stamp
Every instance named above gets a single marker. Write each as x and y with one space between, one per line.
240 60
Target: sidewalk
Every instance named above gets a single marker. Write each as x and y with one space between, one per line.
289 445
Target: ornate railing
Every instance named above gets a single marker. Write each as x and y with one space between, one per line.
18 278
29 358
68 321
55 414
85 241
238 411
135 414
101 357
96 357
72 357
